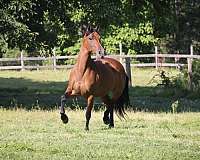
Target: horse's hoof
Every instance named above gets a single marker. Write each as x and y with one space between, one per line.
86 128
64 118
111 126
106 120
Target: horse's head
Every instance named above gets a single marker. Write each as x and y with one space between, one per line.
91 40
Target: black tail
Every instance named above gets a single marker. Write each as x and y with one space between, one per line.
122 101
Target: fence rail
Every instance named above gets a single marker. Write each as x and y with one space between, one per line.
56 66
124 59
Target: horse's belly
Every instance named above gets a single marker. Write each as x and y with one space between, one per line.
103 86
97 89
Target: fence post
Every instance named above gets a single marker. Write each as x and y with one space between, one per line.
121 53
22 60
156 56
126 64
189 61
54 59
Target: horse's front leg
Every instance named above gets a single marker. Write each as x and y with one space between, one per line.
63 117
90 101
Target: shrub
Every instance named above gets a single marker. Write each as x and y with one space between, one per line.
196 75
182 80
162 78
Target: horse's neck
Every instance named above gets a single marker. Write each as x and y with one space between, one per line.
82 63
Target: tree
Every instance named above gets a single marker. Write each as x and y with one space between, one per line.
37 25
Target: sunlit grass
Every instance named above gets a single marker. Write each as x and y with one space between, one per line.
140 76
41 135
144 76
41 75
38 134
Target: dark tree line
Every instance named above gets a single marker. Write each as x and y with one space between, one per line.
40 25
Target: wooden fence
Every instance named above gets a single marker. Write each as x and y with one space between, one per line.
124 59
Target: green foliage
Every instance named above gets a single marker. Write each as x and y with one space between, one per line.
196 75
182 80
184 25
13 53
133 38
73 50
3 46
163 78
39 26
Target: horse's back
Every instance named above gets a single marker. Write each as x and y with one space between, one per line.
115 64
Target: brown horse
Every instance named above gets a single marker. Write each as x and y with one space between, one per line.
103 77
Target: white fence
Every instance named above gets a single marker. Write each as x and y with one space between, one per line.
158 62
124 59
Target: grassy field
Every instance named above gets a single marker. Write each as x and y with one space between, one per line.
41 135
42 89
30 126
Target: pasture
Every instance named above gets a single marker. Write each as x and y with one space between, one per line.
41 135
30 125
42 90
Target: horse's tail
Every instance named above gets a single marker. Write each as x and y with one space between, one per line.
122 101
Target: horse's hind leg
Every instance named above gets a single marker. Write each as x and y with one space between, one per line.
90 100
106 118
108 114
109 117
111 125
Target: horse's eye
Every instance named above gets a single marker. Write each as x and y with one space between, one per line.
90 38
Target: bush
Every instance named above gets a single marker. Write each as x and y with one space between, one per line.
196 75
163 79
182 80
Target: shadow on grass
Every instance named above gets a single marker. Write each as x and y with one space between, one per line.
160 99
28 94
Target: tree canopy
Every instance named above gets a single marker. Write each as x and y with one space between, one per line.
38 26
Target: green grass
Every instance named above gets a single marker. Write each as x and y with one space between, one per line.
141 77
42 89
32 81
144 76
41 135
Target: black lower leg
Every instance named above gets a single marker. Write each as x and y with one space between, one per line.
111 125
88 116
106 119
63 117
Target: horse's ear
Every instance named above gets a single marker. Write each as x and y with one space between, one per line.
89 28
97 28
83 29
